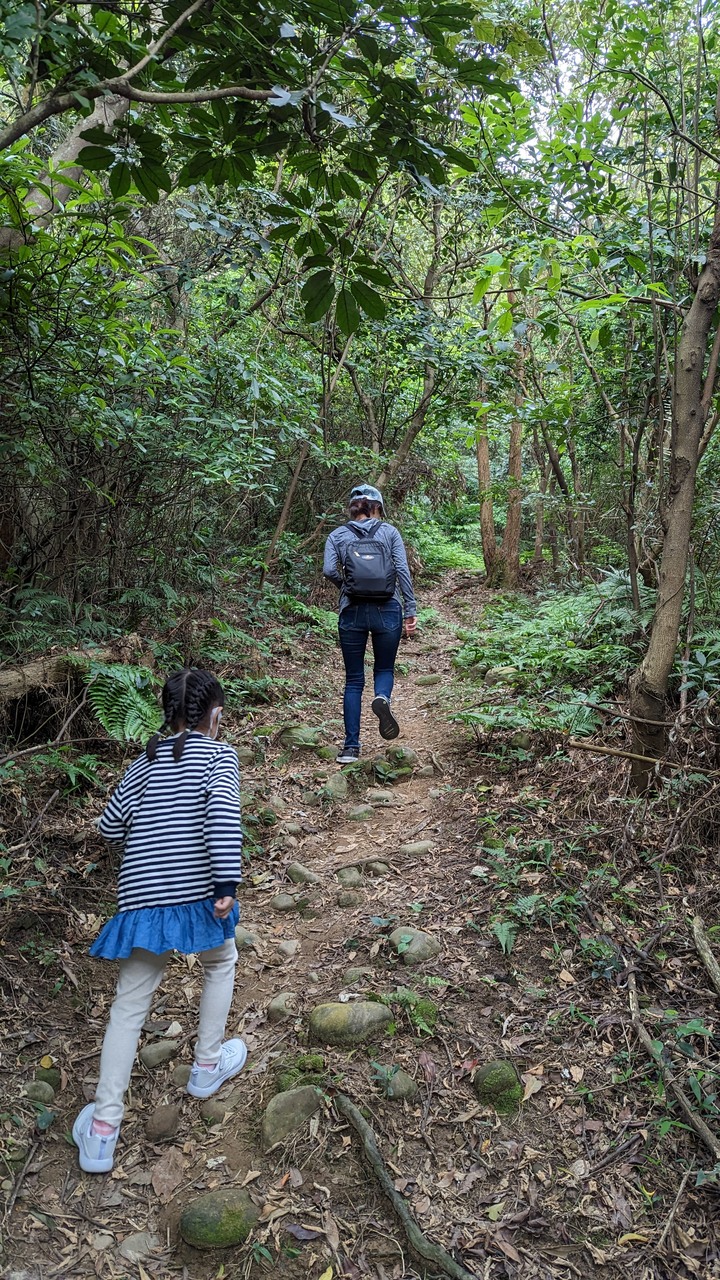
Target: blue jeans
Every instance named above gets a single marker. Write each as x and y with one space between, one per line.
358 621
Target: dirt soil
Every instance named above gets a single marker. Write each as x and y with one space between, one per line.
593 1176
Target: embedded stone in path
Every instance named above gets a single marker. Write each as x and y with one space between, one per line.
376 796
350 898
348 1024
219 1219
424 681
181 1074
245 755
402 755
138 1245
153 1055
302 875
336 787
283 902
414 945
283 1005
162 1123
288 948
427 771
497 1085
361 813
375 868
40 1091
401 1086
245 937
292 828
415 849
349 877
289 1111
214 1109
356 974
300 736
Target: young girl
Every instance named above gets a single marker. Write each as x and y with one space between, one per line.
177 814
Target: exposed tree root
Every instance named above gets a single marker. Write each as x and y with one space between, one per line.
702 942
712 1142
419 1243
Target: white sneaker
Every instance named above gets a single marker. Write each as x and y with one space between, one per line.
205 1081
96 1151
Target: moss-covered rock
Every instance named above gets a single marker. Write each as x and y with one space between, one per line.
402 755
303 1068
300 736
40 1091
336 787
289 1111
497 1085
348 1024
350 877
219 1219
350 898
50 1075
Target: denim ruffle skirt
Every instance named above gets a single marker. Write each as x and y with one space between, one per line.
189 928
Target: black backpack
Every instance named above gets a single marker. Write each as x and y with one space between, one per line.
368 569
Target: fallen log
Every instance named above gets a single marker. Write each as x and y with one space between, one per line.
51 670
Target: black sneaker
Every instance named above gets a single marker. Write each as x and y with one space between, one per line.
389 727
348 755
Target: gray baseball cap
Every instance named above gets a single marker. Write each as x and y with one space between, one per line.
367 491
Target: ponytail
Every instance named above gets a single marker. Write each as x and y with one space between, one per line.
187 697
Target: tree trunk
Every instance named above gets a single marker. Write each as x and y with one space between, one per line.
39 207
691 404
510 550
417 422
487 517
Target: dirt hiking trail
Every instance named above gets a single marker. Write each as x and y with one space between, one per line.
579 1180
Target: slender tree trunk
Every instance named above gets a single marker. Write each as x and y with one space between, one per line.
302 457
39 207
417 422
487 515
510 550
692 395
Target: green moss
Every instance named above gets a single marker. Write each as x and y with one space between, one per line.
497 1085
304 1068
219 1219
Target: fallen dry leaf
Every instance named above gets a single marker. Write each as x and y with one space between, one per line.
167 1173
532 1085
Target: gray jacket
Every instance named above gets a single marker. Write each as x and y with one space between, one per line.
380 530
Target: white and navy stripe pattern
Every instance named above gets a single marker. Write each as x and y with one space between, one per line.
179 822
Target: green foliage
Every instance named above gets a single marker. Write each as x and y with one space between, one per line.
422 1012
438 550
123 699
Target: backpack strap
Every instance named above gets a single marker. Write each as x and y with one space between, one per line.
353 529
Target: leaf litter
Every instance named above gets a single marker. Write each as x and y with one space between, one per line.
582 1180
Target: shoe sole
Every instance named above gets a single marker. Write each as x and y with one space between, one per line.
209 1090
389 727
346 759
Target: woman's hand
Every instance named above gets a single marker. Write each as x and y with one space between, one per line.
410 626
223 907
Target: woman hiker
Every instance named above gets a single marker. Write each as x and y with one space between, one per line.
366 559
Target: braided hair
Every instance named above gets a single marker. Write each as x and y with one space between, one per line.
187 696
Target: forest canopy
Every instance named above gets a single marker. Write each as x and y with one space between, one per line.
250 254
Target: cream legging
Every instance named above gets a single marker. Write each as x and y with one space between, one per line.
140 975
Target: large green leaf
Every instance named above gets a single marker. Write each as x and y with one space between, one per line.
346 312
317 294
368 300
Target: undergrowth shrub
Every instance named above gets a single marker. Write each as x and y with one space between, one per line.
124 699
438 549
564 654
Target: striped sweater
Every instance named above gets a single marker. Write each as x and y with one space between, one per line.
179 823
